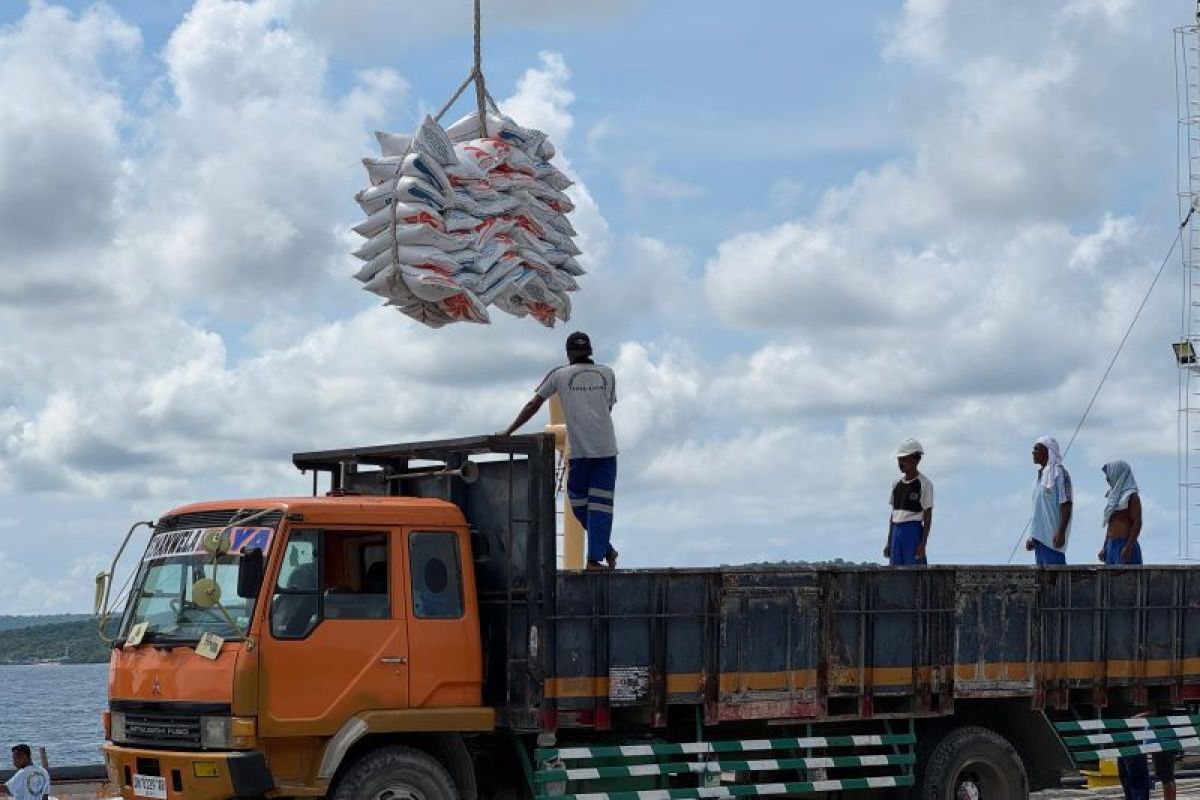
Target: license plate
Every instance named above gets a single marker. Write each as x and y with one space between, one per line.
150 786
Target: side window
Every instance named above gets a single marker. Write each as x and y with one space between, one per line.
436 575
355 576
296 606
330 575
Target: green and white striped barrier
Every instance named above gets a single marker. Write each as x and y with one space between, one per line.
700 748
1133 736
745 790
1086 725
1161 746
717 766
757 765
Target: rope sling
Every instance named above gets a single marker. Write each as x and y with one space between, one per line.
483 102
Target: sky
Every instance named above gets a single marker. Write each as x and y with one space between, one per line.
811 230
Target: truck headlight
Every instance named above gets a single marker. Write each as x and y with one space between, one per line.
215 733
117 726
227 733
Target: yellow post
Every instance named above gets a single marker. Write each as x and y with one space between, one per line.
572 530
1106 775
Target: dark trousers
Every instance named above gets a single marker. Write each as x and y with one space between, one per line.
1135 777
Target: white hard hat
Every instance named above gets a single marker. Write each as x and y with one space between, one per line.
909 447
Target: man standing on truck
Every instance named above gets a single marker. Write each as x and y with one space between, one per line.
1053 501
912 509
1122 516
587 391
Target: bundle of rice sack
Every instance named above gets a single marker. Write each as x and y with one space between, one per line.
459 220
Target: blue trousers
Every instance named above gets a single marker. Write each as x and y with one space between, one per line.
1135 777
1045 555
590 486
905 538
1112 552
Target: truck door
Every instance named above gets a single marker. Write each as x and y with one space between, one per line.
335 640
446 667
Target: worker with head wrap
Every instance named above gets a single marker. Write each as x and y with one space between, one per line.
1122 516
1053 500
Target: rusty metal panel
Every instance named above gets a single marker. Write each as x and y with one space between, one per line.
889 632
1084 647
994 649
1160 624
1189 623
690 636
769 645
1121 624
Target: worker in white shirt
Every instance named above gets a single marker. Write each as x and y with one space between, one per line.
30 782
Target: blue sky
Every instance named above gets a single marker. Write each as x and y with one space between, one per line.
811 229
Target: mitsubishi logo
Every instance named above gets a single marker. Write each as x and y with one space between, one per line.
156 687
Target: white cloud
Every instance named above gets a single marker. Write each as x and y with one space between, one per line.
643 186
190 321
24 593
59 162
252 162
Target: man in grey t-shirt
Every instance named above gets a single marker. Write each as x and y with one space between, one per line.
587 391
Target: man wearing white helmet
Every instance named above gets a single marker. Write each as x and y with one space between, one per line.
912 509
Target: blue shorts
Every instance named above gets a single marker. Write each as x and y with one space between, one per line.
1112 552
906 536
1047 556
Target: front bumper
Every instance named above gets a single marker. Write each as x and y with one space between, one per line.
191 775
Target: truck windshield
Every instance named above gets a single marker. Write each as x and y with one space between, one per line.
162 598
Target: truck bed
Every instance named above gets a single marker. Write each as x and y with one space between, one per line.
814 644
659 647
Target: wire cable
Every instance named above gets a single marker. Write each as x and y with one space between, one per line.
1112 361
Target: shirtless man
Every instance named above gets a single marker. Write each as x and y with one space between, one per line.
1122 516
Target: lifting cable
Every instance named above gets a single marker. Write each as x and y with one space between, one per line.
483 101
1112 361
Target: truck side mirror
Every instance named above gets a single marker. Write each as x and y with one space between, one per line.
102 581
251 571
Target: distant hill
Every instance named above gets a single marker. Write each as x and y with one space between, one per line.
73 642
9 622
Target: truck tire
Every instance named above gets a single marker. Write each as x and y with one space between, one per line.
974 763
396 773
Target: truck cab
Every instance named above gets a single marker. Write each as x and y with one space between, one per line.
265 639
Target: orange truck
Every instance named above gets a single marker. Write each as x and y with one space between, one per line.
405 632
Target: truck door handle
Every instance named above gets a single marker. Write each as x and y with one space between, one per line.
393 660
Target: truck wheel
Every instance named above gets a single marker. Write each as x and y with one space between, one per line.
396 773
974 763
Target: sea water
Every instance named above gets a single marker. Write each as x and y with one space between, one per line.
56 706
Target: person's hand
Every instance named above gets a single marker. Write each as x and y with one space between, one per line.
1127 552
1029 543
920 554
887 550
1060 539
1100 555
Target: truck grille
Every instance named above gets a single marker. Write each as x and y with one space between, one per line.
165 723
162 729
